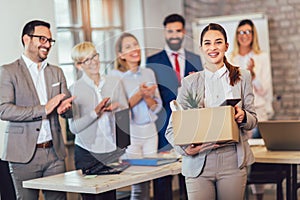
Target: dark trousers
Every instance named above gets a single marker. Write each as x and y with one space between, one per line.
84 159
7 190
109 195
163 188
182 187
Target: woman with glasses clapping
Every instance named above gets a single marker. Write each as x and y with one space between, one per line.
248 55
97 97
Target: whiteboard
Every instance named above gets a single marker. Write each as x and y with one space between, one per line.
230 23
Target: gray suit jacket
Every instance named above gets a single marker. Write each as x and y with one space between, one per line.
20 106
194 84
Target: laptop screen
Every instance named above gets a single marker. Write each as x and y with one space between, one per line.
281 134
122 128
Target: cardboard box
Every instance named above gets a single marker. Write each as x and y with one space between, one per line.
205 125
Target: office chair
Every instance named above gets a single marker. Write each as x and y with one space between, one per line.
264 173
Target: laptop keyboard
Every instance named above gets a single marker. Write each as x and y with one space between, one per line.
112 168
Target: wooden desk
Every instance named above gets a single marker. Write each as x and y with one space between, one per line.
74 181
291 158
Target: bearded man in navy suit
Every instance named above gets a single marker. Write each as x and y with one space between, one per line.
170 65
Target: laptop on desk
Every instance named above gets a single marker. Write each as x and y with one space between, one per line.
122 119
281 135
110 163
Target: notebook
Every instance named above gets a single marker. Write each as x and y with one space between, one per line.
283 135
150 161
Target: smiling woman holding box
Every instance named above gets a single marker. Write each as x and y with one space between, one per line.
213 170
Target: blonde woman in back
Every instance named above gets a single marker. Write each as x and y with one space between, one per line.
248 55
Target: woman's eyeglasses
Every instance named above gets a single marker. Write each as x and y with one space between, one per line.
246 32
43 39
89 60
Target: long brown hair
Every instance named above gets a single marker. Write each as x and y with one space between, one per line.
234 72
120 64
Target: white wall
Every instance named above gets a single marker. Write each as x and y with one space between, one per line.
134 23
154 13
14 14
144 19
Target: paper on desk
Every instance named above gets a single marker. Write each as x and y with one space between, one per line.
256 142
166 154
90 176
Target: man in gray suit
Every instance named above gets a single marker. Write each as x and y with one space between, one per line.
33 94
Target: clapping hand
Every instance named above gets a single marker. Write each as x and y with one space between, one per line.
148 91
111 106
65 105
250 67
55 101
105 105
100 108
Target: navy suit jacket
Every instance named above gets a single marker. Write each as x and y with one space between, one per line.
168 85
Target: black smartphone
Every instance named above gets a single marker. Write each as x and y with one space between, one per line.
230 102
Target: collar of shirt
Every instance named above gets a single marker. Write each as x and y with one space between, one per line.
131 73
169 52
248 55
29 63
217 74
181 59
91 83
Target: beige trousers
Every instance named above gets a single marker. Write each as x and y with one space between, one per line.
220 179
